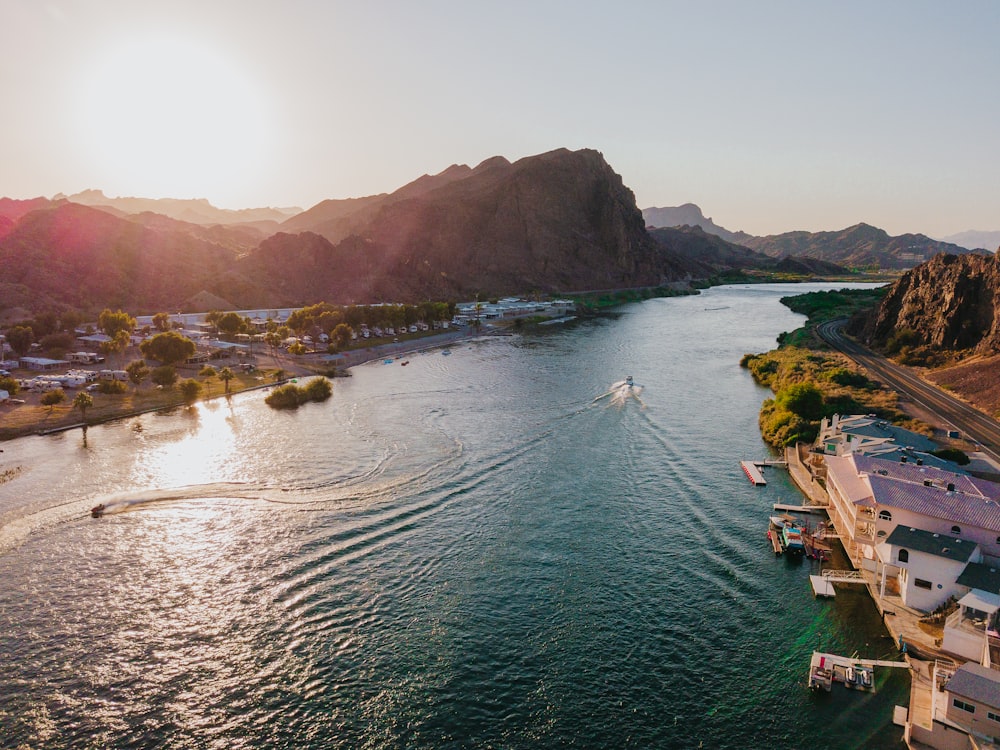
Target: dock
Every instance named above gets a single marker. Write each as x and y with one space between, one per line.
799 508
851 672
822 587
774 536
753 473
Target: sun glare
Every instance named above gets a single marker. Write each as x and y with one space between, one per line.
170 117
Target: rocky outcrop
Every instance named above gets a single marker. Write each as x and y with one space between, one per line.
557 222
952 302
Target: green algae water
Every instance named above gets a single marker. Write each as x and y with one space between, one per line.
498 548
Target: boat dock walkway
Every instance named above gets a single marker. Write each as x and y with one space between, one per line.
820 659
753 473
799 508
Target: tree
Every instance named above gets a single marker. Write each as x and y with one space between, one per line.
51 398
230 324
225 375
208 372
20 339
342 334
190 388
212 318
168 348
161 321
10 385
83 401
165 376
137 372
113 322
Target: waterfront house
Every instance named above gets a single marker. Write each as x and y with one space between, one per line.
870 497
926 566
963 712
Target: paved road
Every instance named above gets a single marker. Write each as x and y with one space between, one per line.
953 413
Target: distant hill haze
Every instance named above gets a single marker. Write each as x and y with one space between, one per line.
973 239
858 246
951 302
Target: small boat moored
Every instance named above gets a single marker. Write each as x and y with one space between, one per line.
791 536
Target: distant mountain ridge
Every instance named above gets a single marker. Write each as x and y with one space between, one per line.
858 246
973 239
194 210
690 215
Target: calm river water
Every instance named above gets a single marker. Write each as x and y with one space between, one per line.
482 550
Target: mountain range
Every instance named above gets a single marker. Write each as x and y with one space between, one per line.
859 246
557 222
553 223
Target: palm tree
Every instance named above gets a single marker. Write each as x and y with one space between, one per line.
225 375
83 401
208 372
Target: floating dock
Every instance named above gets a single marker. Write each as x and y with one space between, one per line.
858 674
774 536
753 473
822 586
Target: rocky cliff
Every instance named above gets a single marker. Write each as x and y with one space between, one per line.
950 303
557 222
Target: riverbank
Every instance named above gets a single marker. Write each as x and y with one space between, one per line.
32 418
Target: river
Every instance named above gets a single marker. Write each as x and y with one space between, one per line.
494 548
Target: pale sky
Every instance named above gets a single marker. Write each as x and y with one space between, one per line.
772 116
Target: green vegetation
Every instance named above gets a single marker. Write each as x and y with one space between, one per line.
51 398
952 454
810 381
168 348
291 396
600 300
164 376
83 401
190 390
111 387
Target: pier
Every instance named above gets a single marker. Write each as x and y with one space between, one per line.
851 672
753 473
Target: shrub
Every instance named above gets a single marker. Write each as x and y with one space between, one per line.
291 396
190 388
802 399
51 398
284 397
952 454
165 376
111 387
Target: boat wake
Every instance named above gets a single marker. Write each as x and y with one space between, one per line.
620 392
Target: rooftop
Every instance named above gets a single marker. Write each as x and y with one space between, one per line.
930 543
976 682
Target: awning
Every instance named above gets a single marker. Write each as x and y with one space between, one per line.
981 600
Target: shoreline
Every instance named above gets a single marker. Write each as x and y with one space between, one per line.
293 367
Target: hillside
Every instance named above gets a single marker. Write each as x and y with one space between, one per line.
715 255
855 247
560 221
951 304
69 255
556 222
